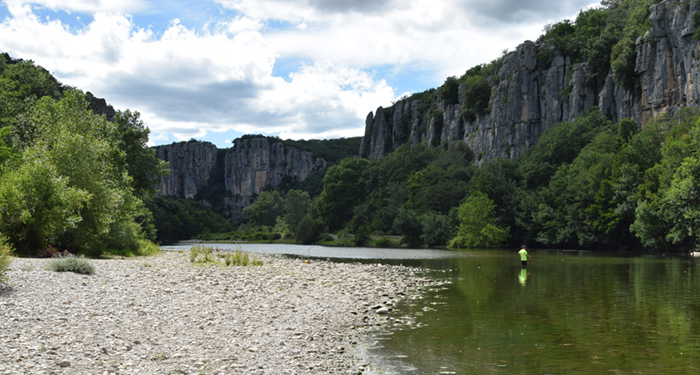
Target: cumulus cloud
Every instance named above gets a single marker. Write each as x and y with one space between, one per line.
232 71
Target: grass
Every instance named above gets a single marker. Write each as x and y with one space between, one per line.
71 263
5 259
201 254
146 248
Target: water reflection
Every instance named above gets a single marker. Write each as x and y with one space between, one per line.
582 314
522 276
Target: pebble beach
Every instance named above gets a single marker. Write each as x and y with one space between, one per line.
166 315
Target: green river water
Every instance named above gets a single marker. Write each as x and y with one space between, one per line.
567 313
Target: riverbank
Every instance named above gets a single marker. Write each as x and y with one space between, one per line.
165 315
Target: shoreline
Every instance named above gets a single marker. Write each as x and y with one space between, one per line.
165 315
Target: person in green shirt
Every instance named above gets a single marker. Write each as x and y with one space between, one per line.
524 256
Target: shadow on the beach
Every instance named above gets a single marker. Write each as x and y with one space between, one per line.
5 290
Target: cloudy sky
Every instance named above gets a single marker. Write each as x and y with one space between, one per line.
217 69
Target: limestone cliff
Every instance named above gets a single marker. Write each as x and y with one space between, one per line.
256 163
190 166
528 96
253 164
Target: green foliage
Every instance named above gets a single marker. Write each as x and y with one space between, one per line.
604 37
449 91
344 186
568 207
477 94
201 254
178 219
140 161
297 205
332 150
437 229
308 230
5 258
6 152
558 145
477 224
37 204
21 84
408 225
667 216
71 263
265 209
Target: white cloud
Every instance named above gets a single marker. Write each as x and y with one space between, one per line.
82 6
220 76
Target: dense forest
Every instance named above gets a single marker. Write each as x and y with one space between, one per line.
71 179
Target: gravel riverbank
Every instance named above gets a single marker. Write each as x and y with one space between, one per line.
165 315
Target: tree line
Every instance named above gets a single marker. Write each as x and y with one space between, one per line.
587 184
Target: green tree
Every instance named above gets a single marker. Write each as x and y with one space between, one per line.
308 230
437 229
265 209
130 136
297 204
408 225
344 187
477 224
71 140
37 204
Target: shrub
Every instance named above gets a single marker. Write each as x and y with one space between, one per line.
148 248
72 263
5 258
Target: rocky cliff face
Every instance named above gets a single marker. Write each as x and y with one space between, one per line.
253 164
191 164
250 166
527 98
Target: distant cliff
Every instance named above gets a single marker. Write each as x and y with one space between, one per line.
528 95
191 164
251 165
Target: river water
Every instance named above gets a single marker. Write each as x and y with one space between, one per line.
567 313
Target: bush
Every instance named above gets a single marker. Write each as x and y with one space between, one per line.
5 258
72 263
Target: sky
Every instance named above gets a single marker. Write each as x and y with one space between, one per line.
214 70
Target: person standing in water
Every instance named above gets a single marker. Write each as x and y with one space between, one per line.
524 256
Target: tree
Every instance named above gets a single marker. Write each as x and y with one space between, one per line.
409 226
73 150
344 187
265 209
307 230
477 224
37 204
297 204
131 138
437 229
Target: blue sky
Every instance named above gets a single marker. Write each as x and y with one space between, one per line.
217 69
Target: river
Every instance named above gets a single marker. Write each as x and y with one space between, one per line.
569 312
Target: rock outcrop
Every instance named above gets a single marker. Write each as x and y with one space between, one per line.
527 97
256 163
191 164
253 164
